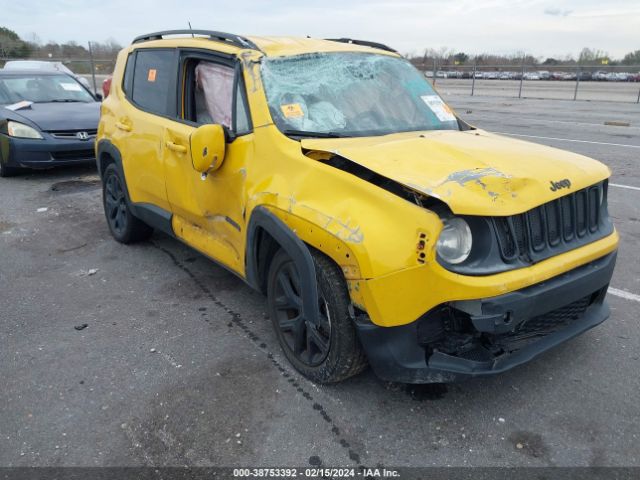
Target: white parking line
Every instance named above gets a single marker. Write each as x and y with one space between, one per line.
544 120
624 186
624 294
568 140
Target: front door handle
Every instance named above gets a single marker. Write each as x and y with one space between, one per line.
123 126
176 147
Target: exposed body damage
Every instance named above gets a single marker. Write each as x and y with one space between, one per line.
473 172
376 206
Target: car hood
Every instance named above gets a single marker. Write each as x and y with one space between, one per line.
61 116
474 172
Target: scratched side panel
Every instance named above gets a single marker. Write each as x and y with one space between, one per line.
209 213
378 229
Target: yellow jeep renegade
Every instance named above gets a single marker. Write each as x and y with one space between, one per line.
383 229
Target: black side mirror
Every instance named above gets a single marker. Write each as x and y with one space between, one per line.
98 96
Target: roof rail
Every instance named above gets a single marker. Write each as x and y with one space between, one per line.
229 38
364 43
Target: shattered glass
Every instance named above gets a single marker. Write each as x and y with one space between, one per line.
352 94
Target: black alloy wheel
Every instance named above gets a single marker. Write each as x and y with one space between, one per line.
325 350
309 342
124 226
115 204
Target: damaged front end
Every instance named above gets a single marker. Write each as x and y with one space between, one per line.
481 337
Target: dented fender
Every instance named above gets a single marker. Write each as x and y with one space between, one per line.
337 215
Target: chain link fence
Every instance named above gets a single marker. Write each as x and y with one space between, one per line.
566 82
563 82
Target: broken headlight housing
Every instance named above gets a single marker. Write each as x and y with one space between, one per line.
455 241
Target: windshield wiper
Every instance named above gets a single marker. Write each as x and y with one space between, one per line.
304 133
65 100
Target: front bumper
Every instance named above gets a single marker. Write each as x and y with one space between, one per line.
45 153
492 335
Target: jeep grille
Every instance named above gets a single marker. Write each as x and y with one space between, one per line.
555 227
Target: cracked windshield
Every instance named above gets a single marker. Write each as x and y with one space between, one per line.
351 94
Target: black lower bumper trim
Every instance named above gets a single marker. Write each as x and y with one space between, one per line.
55 163
501 314
396 355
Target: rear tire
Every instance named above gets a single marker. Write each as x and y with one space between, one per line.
124 226
324 353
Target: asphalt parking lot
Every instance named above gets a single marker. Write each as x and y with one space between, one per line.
628 92
178 364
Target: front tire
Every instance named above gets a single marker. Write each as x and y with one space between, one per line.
329 351
8 171
124 226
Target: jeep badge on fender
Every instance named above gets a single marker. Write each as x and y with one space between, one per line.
564 183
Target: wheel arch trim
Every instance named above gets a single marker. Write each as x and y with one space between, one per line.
262 219
105 147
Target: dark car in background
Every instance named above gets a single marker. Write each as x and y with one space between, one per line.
46 119
46 67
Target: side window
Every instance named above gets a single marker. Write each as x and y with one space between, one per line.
211 94
127 82
153 77
243 124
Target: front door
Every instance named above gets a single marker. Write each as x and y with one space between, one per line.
208 211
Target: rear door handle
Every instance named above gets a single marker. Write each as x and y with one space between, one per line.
123 126
176 147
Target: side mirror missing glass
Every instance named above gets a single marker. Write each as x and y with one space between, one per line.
207 148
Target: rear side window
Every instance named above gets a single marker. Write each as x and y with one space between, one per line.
154 76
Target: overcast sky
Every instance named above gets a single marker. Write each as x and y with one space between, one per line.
539 27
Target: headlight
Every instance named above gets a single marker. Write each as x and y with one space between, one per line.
454 242
20 130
